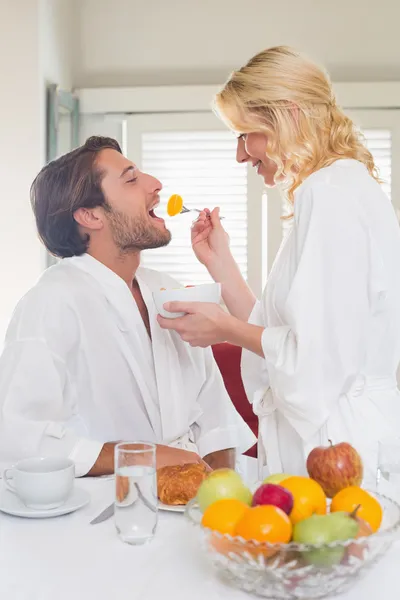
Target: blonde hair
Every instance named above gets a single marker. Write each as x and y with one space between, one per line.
290 99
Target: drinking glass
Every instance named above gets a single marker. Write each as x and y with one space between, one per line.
136 506
388 473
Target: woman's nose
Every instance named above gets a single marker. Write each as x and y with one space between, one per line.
241 154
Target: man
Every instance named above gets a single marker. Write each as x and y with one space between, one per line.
85 363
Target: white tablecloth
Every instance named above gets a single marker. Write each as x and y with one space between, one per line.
65 558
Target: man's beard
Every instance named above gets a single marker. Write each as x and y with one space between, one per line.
135 234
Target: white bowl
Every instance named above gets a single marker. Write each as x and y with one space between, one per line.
210 292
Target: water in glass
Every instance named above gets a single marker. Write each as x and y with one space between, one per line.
136 505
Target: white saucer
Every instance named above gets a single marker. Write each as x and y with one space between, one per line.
12 505
171 508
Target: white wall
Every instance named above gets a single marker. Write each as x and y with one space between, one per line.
57 48
30 55
156 42
21 150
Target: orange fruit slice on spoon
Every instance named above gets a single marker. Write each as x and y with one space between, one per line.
175 205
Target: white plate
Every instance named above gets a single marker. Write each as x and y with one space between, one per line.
12 505
179 509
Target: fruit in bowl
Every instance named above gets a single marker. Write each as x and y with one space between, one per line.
276 478
309 497
223 515
296 570
335 467
358 549
354 498
321 530
364 529
275 495
264 523
222 483
210 292
313 552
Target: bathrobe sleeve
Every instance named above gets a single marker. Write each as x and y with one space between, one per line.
35 397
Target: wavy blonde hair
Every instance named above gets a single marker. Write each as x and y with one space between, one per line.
290 99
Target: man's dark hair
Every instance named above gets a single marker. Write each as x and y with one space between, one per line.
70 182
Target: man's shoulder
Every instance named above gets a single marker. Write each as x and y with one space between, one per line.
49 301
56 284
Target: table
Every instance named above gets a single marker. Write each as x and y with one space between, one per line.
66 558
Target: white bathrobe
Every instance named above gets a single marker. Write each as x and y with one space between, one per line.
331 312
79 369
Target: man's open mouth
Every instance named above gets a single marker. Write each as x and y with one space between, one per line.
154 216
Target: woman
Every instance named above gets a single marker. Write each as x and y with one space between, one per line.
322 347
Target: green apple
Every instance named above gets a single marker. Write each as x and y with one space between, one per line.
276 478
324 529
222 483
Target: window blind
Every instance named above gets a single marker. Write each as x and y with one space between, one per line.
379 143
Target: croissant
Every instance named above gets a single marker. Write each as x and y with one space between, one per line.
179 484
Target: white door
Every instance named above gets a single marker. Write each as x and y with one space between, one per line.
194 155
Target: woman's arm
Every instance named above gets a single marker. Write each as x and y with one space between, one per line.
211 246
236 294
206 324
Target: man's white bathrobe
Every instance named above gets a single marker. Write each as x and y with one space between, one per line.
79 369
331 312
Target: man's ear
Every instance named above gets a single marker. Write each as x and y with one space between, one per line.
89 218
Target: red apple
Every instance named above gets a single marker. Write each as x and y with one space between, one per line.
269 493
335 467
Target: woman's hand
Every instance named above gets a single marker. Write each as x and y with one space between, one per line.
204 325
211 246
210 241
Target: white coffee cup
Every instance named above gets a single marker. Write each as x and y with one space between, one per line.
41 483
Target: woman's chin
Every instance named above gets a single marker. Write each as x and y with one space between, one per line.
268 177
269 181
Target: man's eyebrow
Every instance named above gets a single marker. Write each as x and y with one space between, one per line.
125 171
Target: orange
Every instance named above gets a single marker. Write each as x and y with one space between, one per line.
224 514
175 205
309 498
369 511
265 523
226 546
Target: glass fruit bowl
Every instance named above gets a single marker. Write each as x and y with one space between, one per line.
290 571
